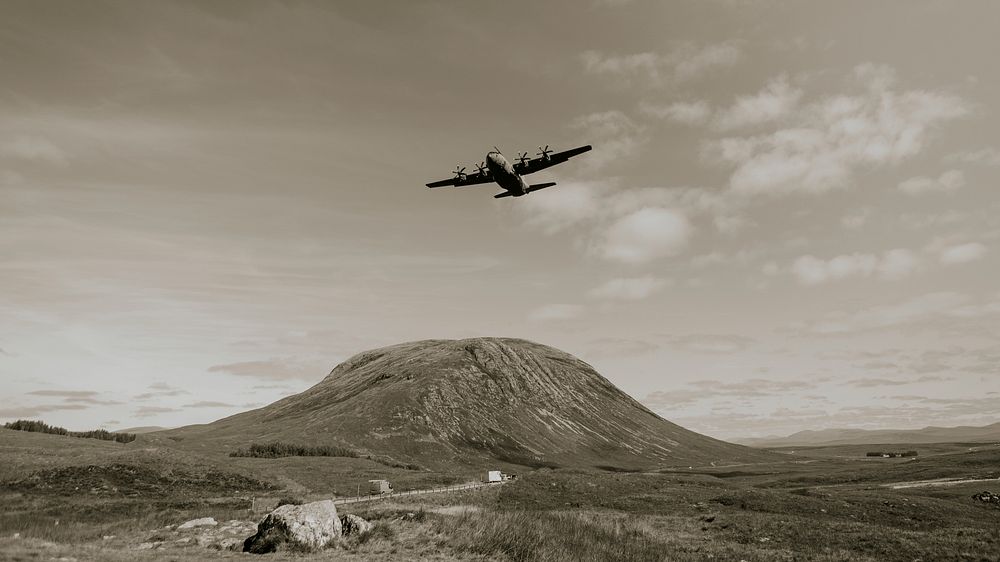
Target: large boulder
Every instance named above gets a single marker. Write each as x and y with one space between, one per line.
309 526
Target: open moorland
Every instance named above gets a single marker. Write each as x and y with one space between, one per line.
68 498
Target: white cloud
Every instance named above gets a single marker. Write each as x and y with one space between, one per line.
811 270
629 225
35 149
554 312
649 63
630 288
948 182
777 100
893 264
771 269
687 113
729 224
928 308
275 368
988 156
644 235
962 253
920 220
710 343
553 210
686 62
857 218
696 61
823 143
885 316
615 137
898 263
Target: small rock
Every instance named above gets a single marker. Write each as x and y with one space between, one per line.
354 525
986 496
149 545
107 537
203 522
17 535
232 543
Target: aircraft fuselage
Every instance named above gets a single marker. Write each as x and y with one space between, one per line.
503 173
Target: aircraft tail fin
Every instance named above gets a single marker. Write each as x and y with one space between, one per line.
538 186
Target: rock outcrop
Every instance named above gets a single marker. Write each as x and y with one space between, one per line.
307 527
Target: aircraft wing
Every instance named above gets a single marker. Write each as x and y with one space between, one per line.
464 180
536 164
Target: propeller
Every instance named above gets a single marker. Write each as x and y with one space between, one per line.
522 157
481 167
459 172
544 152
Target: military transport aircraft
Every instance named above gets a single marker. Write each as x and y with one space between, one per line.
497 169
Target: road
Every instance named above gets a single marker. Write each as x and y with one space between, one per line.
455 488
938 482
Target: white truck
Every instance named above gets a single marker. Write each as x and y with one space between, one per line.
379 487
493 476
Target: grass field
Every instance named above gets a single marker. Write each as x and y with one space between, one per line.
95 500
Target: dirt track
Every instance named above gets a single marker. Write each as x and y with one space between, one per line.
456 488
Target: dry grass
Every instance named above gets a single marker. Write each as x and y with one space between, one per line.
523 537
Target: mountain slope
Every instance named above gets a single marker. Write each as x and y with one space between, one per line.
438 403
930 434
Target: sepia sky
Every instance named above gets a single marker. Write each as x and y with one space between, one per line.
790 219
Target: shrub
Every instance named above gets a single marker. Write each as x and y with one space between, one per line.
275 450
289 500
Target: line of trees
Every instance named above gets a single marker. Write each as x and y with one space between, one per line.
275 449
42 427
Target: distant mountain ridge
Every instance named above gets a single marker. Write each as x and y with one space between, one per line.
442 403
143 429
930 434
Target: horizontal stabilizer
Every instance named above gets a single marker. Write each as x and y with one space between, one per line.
538 186
504 194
